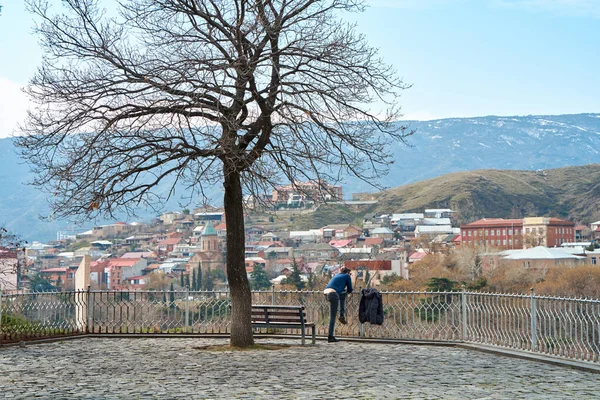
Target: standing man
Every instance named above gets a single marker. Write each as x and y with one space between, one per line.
334 293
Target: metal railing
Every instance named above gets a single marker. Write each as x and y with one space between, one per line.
26 316
563 327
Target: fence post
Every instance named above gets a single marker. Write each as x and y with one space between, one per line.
90 308
82 299
273 295
464 312
0 310
533 322
187 308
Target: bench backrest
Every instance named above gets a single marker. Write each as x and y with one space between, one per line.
278 314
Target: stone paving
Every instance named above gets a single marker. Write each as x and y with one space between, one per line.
170 368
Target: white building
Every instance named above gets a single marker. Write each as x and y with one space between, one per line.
310 236
434 230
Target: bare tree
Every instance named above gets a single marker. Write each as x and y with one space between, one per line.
533 239
9 260
247 93
428 244
8 269
158 281
467 261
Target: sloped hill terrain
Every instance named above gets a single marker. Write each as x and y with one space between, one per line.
572 192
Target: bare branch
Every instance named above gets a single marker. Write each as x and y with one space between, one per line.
247 93
170 83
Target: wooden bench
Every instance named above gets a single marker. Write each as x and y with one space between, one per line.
274 317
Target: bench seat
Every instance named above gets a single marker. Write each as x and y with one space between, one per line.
284 317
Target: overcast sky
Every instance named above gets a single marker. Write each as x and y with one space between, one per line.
464 58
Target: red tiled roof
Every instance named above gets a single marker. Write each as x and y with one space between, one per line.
489 222
340 243
98 266
558 221
139 254
97 262
417 255
122 262
255 260
371 241
266 244
372 265
7 253
169 241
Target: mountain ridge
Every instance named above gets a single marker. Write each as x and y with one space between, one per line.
515 143
438 147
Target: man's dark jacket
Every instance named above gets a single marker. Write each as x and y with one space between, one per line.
370 308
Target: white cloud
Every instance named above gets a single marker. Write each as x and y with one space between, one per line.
13 107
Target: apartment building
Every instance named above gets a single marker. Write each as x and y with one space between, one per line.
547 232
510 234
494 232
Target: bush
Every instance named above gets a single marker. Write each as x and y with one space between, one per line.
432 309
582 281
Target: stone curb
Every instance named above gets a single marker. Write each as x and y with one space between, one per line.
526 355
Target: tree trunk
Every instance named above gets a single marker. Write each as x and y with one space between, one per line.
241 300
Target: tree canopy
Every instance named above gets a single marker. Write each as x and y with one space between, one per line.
40 284
260 280
295 278
246 93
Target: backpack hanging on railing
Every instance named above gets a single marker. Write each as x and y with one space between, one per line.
370 308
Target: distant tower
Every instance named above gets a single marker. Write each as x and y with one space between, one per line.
209 241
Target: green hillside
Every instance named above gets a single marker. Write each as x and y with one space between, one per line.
327 215
571 193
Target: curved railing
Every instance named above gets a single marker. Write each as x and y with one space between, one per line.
563 327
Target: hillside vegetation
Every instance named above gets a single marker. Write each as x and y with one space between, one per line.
572 193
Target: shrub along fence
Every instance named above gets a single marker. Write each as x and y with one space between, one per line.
563 327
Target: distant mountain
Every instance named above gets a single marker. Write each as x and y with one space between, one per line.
518 143
438 148
22 206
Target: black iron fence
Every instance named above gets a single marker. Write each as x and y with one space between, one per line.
555 326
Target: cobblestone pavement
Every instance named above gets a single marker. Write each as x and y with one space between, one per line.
169 368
